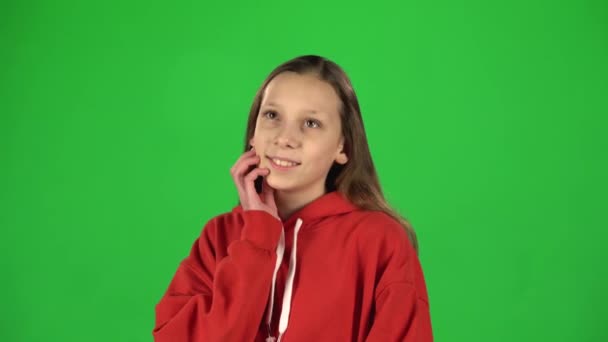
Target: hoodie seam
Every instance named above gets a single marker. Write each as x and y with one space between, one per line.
187 264
416 294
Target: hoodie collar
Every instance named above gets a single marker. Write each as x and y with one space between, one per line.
329 204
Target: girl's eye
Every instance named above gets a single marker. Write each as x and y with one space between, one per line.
270 112
309 123
315 122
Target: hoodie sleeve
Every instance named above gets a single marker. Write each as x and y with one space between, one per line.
402 310
401 315
221 300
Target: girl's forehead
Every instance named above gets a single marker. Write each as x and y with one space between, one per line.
290 89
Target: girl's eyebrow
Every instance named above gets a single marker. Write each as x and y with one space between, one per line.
272 104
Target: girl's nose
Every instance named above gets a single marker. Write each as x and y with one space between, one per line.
288 137
284 141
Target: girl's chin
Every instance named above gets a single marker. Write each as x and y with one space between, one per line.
277 185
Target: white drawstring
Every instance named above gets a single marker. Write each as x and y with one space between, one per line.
287 294
280 251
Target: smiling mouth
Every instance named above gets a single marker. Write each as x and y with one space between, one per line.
281 164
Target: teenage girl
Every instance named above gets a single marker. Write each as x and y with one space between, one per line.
312 251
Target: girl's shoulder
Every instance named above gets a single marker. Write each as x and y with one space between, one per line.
379 230
377 223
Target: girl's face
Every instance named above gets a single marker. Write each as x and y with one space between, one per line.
299 120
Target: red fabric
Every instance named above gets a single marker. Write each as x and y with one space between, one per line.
357 278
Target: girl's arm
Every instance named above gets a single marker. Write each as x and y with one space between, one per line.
401 315
402 310
206 301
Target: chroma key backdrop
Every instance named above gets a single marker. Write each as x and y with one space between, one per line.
120 120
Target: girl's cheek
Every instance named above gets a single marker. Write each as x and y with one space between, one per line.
268 128
268 124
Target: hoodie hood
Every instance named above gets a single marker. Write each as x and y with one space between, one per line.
329 204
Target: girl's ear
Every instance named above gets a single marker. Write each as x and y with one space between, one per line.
251 142
342 158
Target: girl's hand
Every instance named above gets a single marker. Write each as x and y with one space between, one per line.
250 199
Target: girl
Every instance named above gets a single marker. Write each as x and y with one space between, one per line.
312 251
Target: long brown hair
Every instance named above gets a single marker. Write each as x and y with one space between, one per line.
357 179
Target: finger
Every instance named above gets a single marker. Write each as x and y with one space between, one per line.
243 158
249 183
255 173
240 169
245 154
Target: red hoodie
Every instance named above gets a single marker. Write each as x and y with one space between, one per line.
330 272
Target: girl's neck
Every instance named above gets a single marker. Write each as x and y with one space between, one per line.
288 202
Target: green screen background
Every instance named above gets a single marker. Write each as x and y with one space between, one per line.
486 121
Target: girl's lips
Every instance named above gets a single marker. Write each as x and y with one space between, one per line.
281 168
285 159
